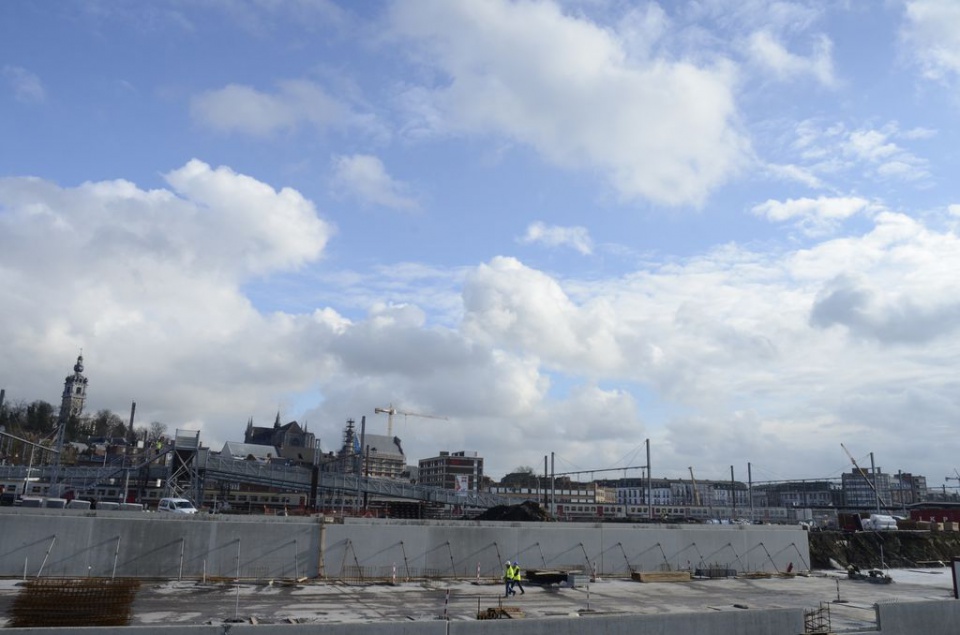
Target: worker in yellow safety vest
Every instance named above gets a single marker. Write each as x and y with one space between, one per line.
516 578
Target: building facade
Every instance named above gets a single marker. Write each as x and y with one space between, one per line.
861 488
461 471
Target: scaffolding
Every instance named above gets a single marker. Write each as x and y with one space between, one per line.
185 479
817 621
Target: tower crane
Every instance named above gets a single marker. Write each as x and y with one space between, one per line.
954 478
696 490
865 477
390 411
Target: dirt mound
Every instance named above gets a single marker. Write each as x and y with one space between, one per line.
528 511
898 548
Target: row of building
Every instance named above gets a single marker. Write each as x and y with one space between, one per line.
382 456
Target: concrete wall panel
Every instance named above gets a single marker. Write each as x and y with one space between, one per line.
151 545
456 549
788 621
928 618
147 545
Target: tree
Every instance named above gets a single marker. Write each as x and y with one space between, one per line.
521 476
156 431
107 424
14 416
40 417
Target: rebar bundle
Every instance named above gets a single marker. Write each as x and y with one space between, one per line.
74 602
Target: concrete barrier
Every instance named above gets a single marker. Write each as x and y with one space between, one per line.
786 621
76 543
98 543
928 618
352 628
457 548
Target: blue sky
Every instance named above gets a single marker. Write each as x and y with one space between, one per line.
727 226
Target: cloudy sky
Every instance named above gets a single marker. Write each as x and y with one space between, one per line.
729 226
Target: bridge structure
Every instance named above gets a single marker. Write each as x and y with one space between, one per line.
185 468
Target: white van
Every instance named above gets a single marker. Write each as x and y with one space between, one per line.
176 506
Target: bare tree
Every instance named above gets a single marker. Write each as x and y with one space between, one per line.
156 431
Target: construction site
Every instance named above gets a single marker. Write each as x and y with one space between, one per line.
209 573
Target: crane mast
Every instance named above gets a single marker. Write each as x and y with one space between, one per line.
865 477
390 411
696 490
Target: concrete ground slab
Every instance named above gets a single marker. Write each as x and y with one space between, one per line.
850 603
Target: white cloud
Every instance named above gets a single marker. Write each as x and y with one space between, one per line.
26 86
244 109
795 173
836 150
257 228
148 283
814 216
767 52
657 129
930 32
152 285
364 177
577 238
734 330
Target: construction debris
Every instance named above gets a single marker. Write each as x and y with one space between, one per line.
660 576
55 602
501 612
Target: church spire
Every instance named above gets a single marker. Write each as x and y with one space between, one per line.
276 423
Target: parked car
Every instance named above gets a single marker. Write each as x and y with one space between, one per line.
176 506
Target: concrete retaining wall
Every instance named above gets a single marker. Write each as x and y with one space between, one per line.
928 618
785 621
909 618
78 543
456 549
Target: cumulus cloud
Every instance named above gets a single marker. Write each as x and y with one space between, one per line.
930 34
244 109
814 216
767 52
655 129
365 178
577 238
736 336
776 348
148 283
884 315
26 86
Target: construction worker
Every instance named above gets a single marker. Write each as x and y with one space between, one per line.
508 579
516 577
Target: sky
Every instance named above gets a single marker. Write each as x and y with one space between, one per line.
731 227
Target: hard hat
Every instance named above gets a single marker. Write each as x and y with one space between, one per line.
507 562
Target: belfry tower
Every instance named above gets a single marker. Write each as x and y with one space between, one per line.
71 405
74 394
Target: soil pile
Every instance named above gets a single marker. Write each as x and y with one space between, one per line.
527 511
901 549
